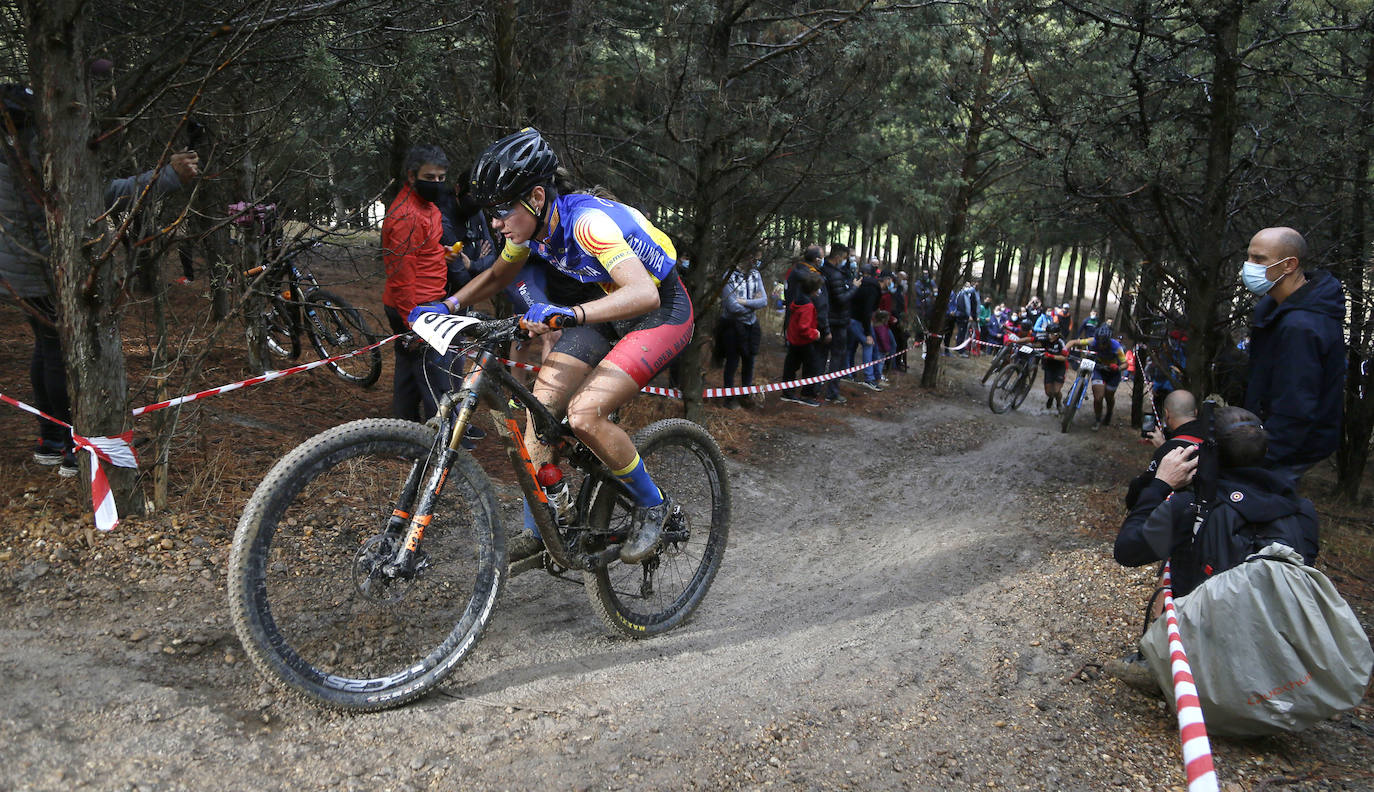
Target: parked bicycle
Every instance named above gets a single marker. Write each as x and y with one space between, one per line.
1015 381
368 561
295 305
1079 390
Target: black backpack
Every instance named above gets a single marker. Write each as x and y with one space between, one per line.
1228 537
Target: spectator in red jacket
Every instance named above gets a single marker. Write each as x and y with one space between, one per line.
802 333
416 273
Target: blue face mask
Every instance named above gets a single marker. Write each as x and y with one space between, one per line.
1254 277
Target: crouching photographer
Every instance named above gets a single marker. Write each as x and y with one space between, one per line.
1273 646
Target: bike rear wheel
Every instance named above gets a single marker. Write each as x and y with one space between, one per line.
1003 393
306 596
640 600
336 327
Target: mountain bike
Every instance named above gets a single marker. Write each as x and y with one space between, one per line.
294 304
1015 381
1078 391
368 562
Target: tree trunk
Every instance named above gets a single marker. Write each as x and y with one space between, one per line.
505 61
1025 269
1353 454
952 250
1040 274
1052 288
1104 287
1083 283
83 264
1204 276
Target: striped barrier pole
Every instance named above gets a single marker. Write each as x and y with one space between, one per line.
1192 732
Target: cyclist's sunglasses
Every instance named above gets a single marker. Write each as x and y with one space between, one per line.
503 210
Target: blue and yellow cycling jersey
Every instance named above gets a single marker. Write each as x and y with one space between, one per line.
589 236
1114 353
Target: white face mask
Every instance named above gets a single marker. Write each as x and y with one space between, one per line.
1255 277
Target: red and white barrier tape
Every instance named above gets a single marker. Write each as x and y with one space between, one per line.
1197 749
258 380
115 450
716 393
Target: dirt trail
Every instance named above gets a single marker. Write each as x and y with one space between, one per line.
907 601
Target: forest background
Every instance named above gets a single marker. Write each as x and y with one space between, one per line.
1078 150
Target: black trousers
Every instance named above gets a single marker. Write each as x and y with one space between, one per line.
837 357
48 373
422 375
739 344
807 357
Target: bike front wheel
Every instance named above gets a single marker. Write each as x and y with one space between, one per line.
279 329
336 327
308 595
1071 404
1003 393
652 597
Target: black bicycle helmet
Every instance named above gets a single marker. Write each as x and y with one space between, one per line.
1103 333
511 167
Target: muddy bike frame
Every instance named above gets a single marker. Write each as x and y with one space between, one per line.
488 383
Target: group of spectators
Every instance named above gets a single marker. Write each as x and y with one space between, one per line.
838 313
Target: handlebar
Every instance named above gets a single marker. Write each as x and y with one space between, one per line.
555 322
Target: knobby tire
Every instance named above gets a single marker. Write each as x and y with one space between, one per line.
999 361
1002 395
1023 385
1071 403
688 467
305 608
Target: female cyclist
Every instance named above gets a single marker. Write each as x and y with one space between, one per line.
615 339
1111 361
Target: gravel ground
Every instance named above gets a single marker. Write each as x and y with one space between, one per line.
917 597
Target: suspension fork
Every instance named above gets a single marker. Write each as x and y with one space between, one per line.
455 413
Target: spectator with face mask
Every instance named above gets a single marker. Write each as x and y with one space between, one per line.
1297 352
738 334
416 273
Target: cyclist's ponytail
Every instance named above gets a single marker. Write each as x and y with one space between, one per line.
563 184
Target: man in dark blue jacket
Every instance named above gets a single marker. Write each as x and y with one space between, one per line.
1297 352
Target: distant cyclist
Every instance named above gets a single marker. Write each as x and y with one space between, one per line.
1055 363
613 343
1111 361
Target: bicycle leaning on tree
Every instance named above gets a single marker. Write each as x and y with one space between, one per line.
369 560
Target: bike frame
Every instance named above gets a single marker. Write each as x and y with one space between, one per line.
490 384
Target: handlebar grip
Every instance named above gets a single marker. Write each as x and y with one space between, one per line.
254 271
560 321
